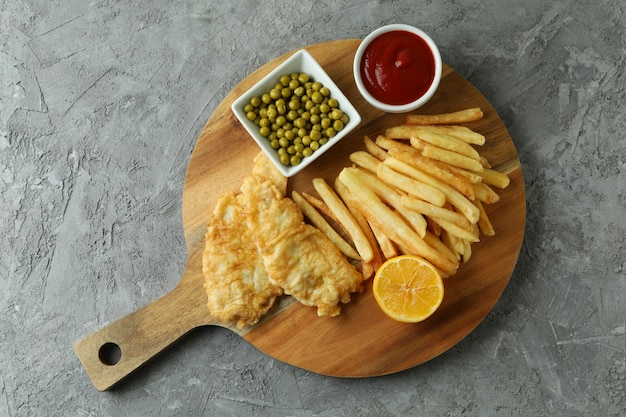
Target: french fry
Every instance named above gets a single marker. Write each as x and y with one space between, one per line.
387 142
418 143
456 242
320 222
365 160
352 206
367 269
387 247
433 227
393 198
495 178
458 200
445 173
467 253
456 230
432 210
463 133
378 152
457 117
449 143
484 223
472 177
411 185
437 243
322 207
485 193
390 223
345 218
452 158
406 132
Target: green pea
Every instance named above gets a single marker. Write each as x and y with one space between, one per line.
317 97
336 114
265 98
284 159
275 93
299 122
307 151
292 115
251 115
315 135
264 131
294 160
299 91
284 80
325 91
333 103
303 78
338 125
294 104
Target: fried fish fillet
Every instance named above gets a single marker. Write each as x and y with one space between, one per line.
297 256
237 284
257 247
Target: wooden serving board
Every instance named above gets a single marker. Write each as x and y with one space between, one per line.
362 341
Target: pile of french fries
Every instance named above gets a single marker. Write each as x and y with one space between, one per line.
419 189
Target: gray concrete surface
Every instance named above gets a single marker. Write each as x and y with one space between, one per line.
101 103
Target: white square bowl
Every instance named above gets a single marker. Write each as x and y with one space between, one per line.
301 61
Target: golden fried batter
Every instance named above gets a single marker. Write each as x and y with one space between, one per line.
237 285
297 256
259 247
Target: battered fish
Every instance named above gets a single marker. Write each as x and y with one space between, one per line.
297 256
259 247
238 287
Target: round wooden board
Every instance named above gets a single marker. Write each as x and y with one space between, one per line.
362 341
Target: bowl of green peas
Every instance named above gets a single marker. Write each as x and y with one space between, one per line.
296 113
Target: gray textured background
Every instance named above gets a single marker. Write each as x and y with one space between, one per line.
101 103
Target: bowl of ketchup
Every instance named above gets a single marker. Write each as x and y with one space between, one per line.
397 68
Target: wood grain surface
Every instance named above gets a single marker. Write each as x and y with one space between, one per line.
362 341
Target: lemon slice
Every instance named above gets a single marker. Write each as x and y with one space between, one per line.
408 288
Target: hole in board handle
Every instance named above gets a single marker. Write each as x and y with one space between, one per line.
110 353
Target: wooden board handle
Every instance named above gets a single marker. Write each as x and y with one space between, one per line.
112 353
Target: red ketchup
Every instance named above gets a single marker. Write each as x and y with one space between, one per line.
397 67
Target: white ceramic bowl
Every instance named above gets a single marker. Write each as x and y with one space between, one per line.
400 108
300 61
